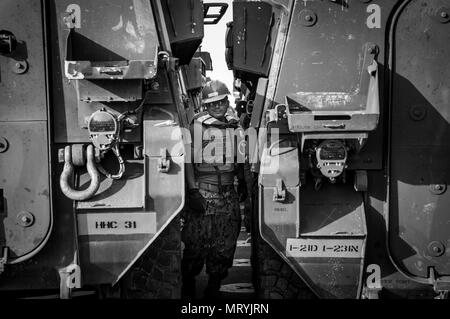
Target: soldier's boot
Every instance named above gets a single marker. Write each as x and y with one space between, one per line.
212 291
188 289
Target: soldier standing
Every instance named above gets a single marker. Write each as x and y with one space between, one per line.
212 218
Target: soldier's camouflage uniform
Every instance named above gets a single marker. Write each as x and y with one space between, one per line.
211 236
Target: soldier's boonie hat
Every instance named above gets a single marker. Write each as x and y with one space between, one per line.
214 91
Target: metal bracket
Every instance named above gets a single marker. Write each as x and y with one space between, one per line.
441 284
279 194
276 114
3 260
173 64
8 42
271 116
164 163
210 18
361 181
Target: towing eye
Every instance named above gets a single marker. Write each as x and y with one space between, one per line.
68 172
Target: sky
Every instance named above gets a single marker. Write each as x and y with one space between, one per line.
214 43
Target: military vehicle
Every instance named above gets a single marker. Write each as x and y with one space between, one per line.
351 100
93 96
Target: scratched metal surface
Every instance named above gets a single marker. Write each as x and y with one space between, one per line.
17 103
328 55
420 151
108 31
24 168
25 179
325 61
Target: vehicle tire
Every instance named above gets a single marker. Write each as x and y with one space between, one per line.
273 278
157 273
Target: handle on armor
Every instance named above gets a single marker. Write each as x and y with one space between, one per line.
68 171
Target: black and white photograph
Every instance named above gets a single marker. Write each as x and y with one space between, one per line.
226 158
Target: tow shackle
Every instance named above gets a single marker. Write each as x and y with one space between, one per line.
67 174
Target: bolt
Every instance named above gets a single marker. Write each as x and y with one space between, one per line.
20 67
436 248
418 113
26 219
444 15
438 189
308 18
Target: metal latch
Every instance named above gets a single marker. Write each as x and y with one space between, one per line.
271 116
164 163
279 194
3 260
8 42
441 284
361 183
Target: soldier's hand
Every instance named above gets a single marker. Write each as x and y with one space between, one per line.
242 191
195 201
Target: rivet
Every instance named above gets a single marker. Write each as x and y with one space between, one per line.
20 67
436 249
418 113
438 189
25 219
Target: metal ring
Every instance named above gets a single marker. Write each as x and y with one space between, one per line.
121 171
67 173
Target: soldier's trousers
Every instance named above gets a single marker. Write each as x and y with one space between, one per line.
211 237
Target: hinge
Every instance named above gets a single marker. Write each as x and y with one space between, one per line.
279 193
173 64
441 284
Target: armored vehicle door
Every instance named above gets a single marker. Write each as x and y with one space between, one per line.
419 200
